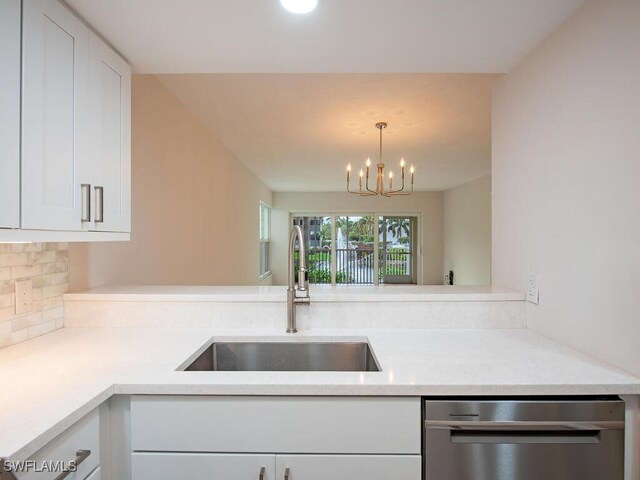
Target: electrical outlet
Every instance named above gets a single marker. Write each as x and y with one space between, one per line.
24 296
533 294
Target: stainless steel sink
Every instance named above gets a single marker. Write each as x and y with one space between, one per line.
286 357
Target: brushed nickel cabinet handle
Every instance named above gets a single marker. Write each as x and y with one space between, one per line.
81 456
85 206
286 474
99 204
262 472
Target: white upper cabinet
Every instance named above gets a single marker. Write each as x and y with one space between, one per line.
9 113
72 179
110 158
55 116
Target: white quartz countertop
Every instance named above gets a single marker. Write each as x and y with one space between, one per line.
52 381
319 293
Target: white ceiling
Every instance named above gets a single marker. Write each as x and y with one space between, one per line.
383 36
297 132
296 97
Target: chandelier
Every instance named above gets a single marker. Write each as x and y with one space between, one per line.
379 190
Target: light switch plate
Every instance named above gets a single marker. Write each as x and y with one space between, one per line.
24 296
533 295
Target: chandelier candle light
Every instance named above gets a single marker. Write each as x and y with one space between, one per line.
380 176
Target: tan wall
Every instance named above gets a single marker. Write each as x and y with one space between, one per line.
566 150
429 205
47 266
195 206
467 232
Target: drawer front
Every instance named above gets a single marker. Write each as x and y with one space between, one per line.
276 424
83 435
349 467
201 466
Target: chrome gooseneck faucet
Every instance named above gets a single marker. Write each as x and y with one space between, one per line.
303 279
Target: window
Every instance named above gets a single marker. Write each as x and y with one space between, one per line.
265 240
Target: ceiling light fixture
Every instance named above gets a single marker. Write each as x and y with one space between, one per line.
299 6
380 175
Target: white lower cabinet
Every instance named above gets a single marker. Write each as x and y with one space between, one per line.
202 466
315 438
84 435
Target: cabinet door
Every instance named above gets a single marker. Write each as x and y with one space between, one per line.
348 467
9 113
55 111
201 466
110 165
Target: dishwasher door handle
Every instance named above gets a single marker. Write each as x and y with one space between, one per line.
527 437
470 425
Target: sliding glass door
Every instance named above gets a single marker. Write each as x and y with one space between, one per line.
318 235
355 238
396 249
341 248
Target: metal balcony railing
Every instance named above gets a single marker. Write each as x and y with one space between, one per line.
355 265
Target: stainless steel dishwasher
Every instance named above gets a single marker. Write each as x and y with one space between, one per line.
541 438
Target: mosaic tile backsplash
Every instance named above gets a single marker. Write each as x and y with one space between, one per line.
47 266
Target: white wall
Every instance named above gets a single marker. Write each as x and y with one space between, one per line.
195 206
429 205
467 232
566 181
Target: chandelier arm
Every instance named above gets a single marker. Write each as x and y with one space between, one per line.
349 188
397 191
371 192
364 193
